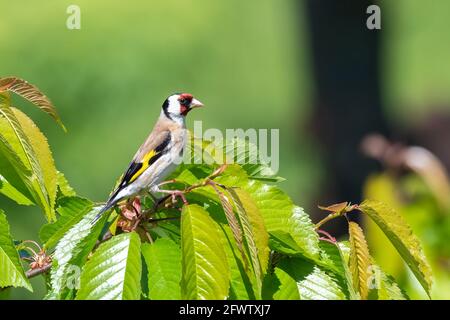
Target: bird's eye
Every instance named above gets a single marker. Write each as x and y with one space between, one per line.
184 101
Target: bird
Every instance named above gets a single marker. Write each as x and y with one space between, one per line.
159 155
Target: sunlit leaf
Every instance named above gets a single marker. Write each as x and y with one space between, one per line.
336 257
232 222
71 210
71 253
15 139
300 279
401 236
359 261
255 234
241 286
283 242
288 289
30 93
240 283
114 270
236 150
204 262
163 260
14 172
248 156
11 270
279 213
277 209
384 287
8 190
64 186
43 154
382 187
242 280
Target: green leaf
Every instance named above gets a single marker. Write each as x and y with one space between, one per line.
13 171
287 289
232 151
242 279
72 251
232 222
304 233
163 260
11 270
256 237
384 287
337 258
359 261
283 242
114 270
5 293
43 154
206 273
247 155
401 236
320 285
72 210
32 94
277 209
15 139
240 282
300 279
11 192
64 186
279 213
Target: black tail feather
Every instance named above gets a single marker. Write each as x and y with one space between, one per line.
107 206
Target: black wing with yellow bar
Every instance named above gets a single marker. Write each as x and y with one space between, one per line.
135 169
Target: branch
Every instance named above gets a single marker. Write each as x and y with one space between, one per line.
329 217
35 272
108 235
337 210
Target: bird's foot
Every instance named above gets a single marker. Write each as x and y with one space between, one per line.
173 193
177 193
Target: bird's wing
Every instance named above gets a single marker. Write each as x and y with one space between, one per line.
153 148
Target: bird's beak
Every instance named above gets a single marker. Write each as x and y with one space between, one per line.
196 104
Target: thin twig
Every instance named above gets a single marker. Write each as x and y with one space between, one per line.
108 235
162 219
147 234
329 217
35 272
328 237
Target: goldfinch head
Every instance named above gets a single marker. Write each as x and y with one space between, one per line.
178 105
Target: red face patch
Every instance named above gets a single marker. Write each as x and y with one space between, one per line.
184 110
186 96
185 100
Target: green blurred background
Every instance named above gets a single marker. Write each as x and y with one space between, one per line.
248 61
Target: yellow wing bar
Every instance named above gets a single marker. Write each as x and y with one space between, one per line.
145 164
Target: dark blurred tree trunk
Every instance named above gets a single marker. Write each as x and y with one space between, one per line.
347 105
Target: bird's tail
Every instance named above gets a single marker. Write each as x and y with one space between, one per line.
107 206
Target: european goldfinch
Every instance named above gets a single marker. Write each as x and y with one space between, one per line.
159 155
